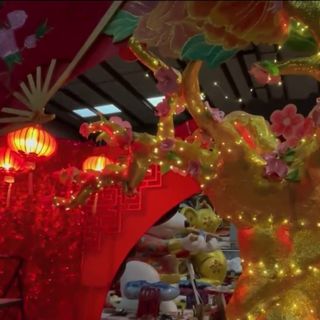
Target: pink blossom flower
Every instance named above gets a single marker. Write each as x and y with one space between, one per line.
122 123
193 167
17 19
30 41
162 109
216 113
315 113
305 129
275 168
262 76
166 144
285 121
126 125
167 80
84 130
282 148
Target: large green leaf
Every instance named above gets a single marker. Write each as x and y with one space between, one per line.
300 39
196 48
121 26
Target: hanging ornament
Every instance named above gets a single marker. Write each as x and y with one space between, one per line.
34 143
10 163
95 164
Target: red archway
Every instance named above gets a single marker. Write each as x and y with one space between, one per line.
129 221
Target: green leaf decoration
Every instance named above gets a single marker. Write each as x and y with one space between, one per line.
121 26
300 39
196 48
289 156
165 168
270 67
42 30
12 59
293 176
172 156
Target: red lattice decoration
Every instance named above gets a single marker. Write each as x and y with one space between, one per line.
112 204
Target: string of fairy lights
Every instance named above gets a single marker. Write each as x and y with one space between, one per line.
226 96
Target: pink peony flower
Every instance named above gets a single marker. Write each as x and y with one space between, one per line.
262 76
84 130
30 41
162 109
193 167
275 168
167 80
285 121
166 144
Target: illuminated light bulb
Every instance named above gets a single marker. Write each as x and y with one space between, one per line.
279 47
298 24
251 90
302 223
261 264
254 219
276 266
250 271
270 220
207 177
285 221
265 272
202 186
161 163
179 161
278 304
215 83
240 217
226 97
181 148
240 100
229 150
275 60
318 224
279 83
202 96
229 217
146 75
156 150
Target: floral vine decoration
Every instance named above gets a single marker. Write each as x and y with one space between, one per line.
10 52
293 129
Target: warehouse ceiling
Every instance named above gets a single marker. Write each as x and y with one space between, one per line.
129 89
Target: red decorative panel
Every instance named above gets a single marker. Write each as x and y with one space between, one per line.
112 204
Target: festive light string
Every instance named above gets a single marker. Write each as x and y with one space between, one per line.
233 175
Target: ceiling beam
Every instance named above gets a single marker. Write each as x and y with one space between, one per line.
283 78
234 88
91 85
76 98
244 69
106 67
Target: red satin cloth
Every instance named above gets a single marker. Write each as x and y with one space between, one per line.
72 256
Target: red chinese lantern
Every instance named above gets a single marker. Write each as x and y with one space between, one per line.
34 143
95 164
10 163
